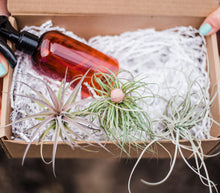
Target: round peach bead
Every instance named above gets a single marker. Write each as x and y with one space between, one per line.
117 95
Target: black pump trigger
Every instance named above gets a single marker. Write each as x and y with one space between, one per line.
7 52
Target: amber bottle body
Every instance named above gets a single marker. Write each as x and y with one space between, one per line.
56 52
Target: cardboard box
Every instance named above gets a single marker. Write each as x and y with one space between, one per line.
98 17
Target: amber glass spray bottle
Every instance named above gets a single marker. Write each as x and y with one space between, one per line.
53 52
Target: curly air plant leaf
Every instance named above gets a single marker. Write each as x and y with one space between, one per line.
117 109
58 115
180 116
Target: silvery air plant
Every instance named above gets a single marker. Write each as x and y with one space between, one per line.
180 116
59 114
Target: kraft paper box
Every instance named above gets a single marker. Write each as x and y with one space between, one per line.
98 17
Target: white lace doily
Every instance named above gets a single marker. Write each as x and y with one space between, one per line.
165 58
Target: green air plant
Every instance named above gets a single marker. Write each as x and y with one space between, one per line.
117 109
180 115
58 115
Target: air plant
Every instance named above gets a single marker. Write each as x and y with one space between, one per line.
180 116
58 115
118 111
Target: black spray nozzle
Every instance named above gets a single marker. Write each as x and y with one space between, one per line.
24 41
5 28
27 42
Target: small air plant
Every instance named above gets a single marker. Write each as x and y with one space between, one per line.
117 109
180 116
58 115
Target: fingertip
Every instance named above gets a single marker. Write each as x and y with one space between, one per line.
205 29
3 70
3 65
211 24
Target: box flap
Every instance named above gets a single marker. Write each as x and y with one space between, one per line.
16 149
200 8
214 74
6 131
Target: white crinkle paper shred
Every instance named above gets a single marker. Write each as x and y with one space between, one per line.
165 58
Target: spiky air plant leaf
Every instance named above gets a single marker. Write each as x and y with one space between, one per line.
118 111
59 113
180 116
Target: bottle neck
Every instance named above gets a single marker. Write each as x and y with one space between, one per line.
27 42
24 41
